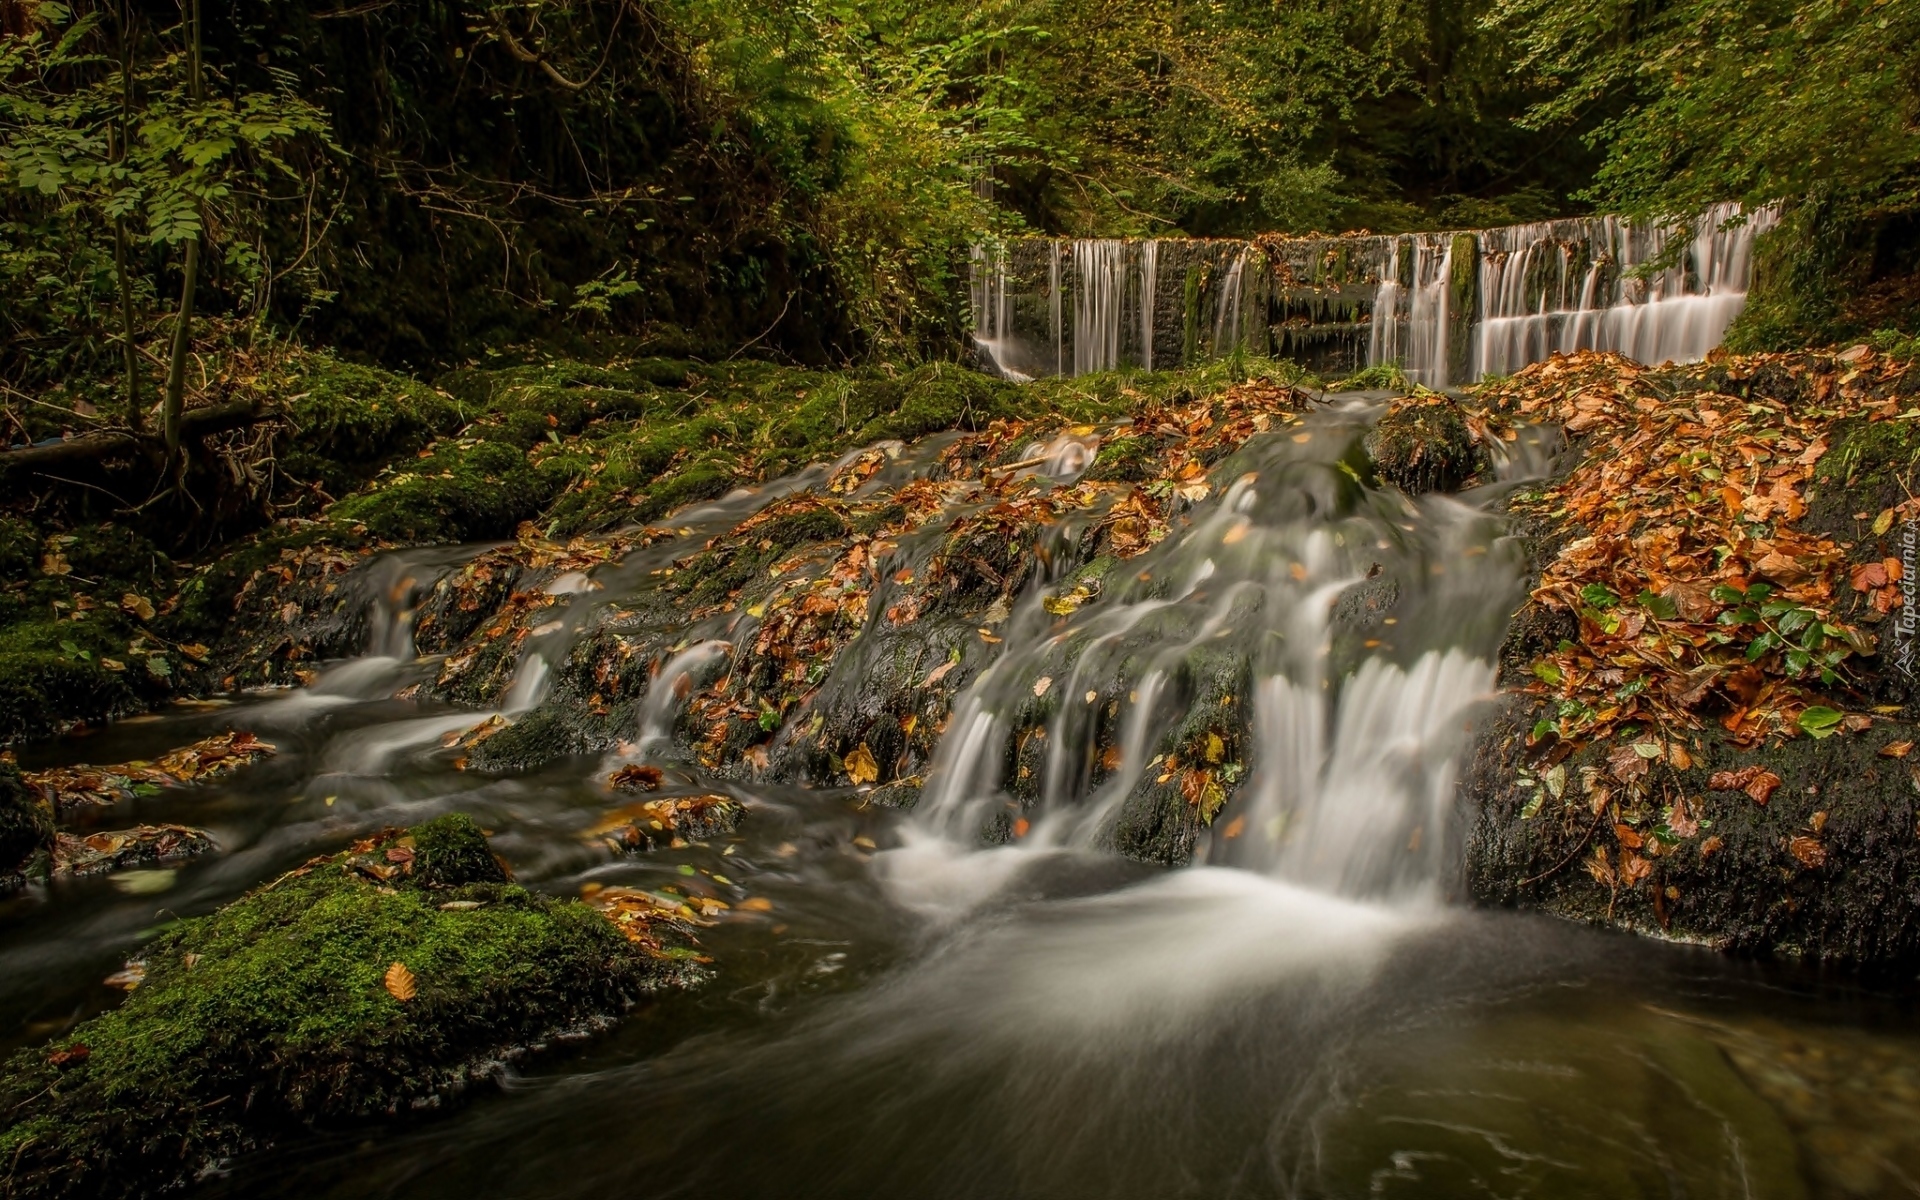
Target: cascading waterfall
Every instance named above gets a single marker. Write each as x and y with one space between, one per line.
1585 284
993 310
1149 293
1350 723
1055 306
1100 275
1228 333
1428 327
1447 307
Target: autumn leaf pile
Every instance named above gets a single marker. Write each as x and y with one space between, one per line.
1697 598
82 785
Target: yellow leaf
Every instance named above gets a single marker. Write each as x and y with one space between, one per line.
135 605
399 982
860 765
1216 748
1883 522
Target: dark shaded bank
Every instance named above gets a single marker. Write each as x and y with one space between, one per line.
1798 835
379 982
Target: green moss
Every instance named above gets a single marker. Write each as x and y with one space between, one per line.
272 1013
462 492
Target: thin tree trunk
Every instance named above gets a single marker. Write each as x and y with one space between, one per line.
136 419
190 272
177 364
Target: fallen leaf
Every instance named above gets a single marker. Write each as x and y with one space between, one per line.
635 776
1896 749
1756 782
1041 685
400 982
1626 763
1809 851
755 904
861 768
72 1056
938 673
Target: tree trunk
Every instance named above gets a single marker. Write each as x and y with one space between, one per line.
136 420
177 365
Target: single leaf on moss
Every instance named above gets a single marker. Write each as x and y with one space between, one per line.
400 982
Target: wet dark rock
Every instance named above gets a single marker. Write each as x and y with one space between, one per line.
1828 868
1423 445
26 827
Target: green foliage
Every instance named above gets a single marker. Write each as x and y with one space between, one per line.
1713 100
96 145
273 1011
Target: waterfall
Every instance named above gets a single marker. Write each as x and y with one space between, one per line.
1383 335
1345 736
1054 302
1227 326
1149 298
993 311
1590 284
1100 274
1429 330
1448 307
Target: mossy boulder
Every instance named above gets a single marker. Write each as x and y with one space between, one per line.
285 1010
1422 445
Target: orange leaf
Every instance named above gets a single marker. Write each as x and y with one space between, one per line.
400 983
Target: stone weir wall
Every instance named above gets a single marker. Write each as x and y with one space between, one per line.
1447 307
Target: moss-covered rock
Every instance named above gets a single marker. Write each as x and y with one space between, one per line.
1423 444
382 980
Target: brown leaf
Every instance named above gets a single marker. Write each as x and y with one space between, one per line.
938 673
1756 782
1626 764
1896 749
72 1056
1711 845
1633 868
1625 835
400 982
861 768
1809 851
1682 820
634 776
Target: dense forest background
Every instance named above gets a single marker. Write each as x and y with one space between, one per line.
417 181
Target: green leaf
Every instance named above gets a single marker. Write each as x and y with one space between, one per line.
1760 646
1546 672
1662 607
1821 721
1599 595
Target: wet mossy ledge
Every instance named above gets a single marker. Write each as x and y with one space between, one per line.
386 980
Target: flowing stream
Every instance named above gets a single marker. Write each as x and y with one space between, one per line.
1303 1012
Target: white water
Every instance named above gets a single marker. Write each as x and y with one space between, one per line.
1349 757
1538 289
1560 286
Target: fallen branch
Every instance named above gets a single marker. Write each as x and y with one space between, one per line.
108 443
